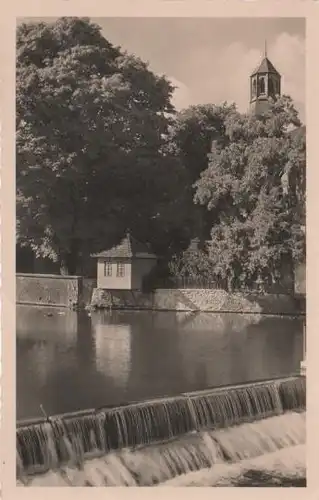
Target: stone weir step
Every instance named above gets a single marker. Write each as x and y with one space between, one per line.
91 411
59 439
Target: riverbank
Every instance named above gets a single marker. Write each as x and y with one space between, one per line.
199 300
76 292
72 292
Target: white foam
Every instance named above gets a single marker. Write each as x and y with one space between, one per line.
287 463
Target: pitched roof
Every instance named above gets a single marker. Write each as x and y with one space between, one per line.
265 67
129 247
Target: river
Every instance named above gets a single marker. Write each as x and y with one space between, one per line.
69 360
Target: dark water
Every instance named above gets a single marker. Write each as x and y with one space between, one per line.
68 361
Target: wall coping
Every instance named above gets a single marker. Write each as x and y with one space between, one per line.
55 276
235 292
127 259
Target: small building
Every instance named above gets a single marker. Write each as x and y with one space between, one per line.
124 266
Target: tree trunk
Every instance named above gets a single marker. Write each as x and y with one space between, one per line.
63 267
69 260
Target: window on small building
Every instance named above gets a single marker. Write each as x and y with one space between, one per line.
107 268
120 270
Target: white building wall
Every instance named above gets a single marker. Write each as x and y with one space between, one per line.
114 282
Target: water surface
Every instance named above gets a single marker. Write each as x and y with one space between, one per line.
68 361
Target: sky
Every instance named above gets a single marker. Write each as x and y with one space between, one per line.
210 60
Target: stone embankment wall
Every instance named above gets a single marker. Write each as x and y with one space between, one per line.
55 290
88 286
75 291
198 300
300 279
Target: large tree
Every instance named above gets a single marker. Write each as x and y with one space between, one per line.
91 129
254 186
190 138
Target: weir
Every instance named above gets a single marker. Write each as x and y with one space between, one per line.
76 438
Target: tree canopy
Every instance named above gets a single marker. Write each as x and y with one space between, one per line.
257 227
91 126
100 149
190 138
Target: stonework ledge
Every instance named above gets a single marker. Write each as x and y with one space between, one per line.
196 300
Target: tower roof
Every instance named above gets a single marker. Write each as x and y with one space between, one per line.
265 67
129 247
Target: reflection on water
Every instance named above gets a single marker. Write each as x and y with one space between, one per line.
113 352
68 361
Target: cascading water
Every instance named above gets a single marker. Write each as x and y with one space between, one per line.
155 464
285 467
155 441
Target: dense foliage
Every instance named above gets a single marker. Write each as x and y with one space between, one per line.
257 230
100 149
91 127
190 139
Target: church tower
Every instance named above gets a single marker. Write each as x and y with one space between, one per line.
265 82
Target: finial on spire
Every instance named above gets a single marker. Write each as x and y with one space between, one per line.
265 51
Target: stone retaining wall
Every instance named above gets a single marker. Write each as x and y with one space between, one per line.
55 290
89 284
300 278
75 291
45 289
198 300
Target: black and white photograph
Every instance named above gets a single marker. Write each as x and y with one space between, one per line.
160 251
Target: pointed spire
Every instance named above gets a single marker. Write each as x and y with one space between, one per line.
265 66
265 49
